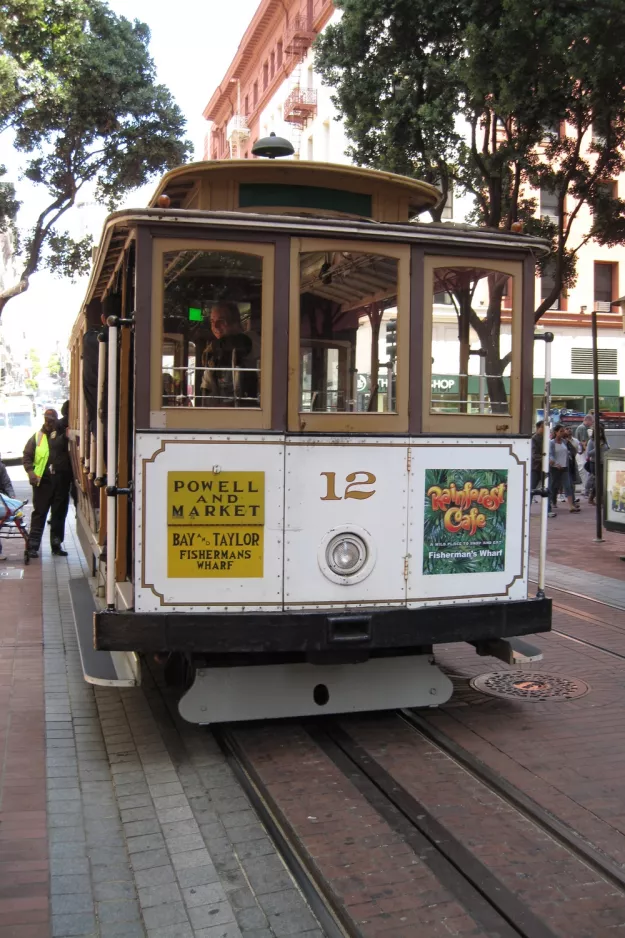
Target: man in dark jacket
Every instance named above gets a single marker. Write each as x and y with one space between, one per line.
6 488
46 460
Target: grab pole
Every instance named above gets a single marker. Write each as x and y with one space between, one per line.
100 414
547 337
111 466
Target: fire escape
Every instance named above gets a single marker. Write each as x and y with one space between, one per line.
301 103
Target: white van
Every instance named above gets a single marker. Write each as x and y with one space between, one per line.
17 425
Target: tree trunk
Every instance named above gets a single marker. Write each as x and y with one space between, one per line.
494 379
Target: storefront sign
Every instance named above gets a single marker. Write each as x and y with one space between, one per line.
215 524
447 383
465 521
614 489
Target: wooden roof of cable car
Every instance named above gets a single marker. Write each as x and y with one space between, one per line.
268 186
197 192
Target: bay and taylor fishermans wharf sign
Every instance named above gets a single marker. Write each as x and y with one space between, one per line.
215 524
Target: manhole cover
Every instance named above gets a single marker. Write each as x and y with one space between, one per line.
11 573
529 685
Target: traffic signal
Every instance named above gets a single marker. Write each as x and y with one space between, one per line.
391 338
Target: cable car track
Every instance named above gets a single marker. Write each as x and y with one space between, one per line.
527 806
484 897
587 617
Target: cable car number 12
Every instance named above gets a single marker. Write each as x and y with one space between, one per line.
353 489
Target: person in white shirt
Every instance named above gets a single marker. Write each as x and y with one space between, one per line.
559 470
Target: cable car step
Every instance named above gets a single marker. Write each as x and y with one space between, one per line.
108 668
511 650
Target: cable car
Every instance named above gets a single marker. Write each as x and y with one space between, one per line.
301 426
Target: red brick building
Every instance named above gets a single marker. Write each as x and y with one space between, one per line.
273 46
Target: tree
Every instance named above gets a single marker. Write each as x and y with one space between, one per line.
78 94
54 365
476 94
34 370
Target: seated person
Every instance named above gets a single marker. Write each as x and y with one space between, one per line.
231 349
169 390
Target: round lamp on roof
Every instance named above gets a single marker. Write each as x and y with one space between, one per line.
273 146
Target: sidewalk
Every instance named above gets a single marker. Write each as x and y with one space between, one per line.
24 869
575 561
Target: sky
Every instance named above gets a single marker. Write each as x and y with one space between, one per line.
192 44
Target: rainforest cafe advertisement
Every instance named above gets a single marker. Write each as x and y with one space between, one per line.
464 527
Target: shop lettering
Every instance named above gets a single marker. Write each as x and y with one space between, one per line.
443 384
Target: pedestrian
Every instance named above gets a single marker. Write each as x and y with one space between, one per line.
559 470
582 435
537 456
6 488
46 460
591 464
573 446
64 424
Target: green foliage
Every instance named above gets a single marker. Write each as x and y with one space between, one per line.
66 257
406 71
78 93
8 204
54 365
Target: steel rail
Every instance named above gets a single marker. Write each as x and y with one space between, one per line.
485 898
556 828
325 905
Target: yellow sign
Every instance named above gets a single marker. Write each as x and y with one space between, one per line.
215 524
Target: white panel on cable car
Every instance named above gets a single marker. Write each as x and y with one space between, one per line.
468 520
209 518
345 522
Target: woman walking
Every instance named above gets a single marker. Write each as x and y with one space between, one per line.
559 470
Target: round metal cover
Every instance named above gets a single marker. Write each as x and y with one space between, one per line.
529 685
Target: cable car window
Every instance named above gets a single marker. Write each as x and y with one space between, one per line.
211 354
477 365
348 328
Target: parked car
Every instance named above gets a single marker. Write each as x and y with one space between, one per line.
17 424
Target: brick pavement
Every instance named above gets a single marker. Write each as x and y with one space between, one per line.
149 835
571 548
551 881
24 864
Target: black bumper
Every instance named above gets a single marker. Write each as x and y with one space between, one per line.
307 633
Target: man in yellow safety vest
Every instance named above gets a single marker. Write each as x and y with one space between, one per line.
46 460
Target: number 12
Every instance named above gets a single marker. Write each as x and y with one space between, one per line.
352 490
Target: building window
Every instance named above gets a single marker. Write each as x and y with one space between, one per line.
255 93
606 189
279 53
548 282
604 286
247 104
272 66
265 75
600 127
549 206
551 130
448 210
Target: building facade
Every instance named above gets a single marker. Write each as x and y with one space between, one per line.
271 85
